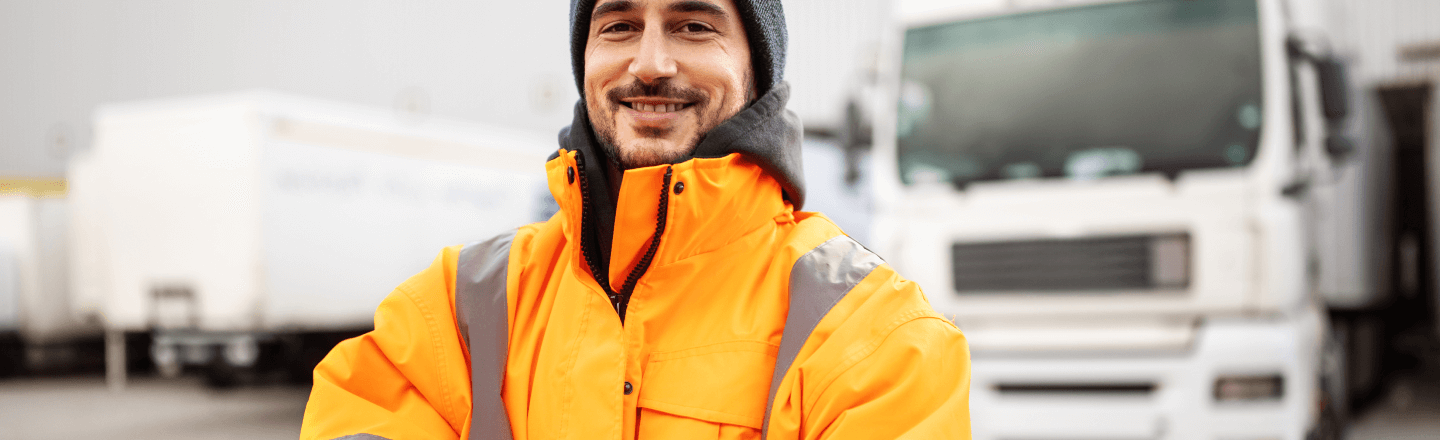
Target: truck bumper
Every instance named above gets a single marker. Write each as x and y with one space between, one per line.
1156 395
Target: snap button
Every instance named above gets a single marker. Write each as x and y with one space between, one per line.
679 187
629 388
570 173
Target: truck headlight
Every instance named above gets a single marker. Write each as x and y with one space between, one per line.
1249 388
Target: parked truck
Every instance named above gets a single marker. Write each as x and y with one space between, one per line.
1119 202
224 226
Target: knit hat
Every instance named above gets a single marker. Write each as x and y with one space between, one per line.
764 22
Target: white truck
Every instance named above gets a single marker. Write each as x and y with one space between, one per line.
226 225
1117 202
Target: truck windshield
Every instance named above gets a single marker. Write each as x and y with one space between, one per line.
1083 92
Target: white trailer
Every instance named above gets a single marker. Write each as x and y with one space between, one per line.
219 222
36 318
1116 200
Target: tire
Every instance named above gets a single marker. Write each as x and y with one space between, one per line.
12 356
222 375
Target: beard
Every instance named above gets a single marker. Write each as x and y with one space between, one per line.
648 148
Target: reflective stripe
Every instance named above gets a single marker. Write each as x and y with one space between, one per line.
483 316
818 280
361 436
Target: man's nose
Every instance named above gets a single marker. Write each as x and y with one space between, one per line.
654 61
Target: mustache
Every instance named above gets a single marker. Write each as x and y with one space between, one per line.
660 89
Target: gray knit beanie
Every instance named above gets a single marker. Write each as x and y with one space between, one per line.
764 22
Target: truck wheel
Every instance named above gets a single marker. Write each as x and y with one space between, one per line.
1331 425
1333 387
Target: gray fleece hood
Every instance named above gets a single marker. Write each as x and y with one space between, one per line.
765 132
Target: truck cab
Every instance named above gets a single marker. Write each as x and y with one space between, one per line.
1110 199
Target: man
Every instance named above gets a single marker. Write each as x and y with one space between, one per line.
678 293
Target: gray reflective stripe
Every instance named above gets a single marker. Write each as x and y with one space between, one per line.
484 320
818 280
361 437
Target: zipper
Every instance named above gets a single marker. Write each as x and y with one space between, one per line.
590 240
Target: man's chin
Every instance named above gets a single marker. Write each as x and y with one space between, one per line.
647 152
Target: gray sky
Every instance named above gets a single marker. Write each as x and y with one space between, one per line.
503 63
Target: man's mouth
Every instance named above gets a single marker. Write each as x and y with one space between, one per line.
656 106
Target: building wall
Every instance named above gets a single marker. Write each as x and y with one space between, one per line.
1372 34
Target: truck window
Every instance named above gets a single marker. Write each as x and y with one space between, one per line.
1082 92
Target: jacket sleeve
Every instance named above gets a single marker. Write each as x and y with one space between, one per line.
914 384
405 379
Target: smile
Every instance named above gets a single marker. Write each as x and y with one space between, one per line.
656 106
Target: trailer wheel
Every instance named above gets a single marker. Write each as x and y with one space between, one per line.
12 356
1331 425
221 375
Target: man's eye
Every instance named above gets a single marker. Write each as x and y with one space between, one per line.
619 27
694 28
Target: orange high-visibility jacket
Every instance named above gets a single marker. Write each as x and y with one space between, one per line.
721 254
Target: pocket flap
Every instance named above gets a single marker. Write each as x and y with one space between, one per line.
723 383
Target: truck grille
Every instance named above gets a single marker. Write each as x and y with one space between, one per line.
1085 264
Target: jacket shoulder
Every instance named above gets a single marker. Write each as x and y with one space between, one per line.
536 241
878 300
520 246
811 230
876 289
882 329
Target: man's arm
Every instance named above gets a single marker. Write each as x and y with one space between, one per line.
406 379
915 384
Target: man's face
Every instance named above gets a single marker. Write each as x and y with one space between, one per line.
659 74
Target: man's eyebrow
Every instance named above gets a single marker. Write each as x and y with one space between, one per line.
699 6
612 7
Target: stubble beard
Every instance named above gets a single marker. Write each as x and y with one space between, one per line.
648 148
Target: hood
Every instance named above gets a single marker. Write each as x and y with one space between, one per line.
765 134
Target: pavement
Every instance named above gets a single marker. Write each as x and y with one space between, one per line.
184 408
1410 409
149 408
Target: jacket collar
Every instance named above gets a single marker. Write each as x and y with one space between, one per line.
718 200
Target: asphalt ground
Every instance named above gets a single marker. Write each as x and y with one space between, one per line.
1410 409
149 408
184 408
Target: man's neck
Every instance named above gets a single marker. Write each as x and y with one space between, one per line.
614 175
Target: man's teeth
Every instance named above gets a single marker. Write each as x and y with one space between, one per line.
664 108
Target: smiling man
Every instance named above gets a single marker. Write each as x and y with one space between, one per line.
678 293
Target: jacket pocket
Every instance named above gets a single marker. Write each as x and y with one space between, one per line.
713 391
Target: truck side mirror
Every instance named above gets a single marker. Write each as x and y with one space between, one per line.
1335 103
1334 99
